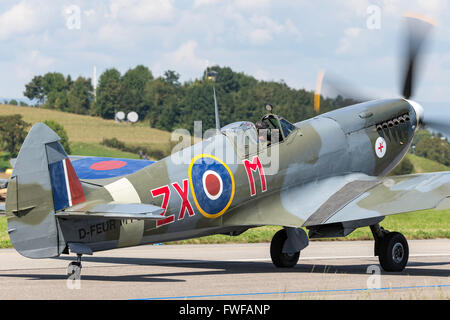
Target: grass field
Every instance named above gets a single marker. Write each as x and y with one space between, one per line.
98 150
92 130
427 224
422 165
4 237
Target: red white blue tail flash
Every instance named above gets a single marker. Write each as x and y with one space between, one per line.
66 186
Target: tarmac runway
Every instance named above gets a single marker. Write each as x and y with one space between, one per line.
326 270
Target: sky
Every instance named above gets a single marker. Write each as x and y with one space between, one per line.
291 40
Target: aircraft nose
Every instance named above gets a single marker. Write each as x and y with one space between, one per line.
418 109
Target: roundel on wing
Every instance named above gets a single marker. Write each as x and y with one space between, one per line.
212 185
92 168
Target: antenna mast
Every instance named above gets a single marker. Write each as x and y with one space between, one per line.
212 76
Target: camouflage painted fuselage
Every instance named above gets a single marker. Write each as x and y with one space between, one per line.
338 143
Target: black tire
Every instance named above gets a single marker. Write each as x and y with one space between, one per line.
74 268
393 252
280 259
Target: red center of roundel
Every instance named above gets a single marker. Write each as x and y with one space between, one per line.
212 184
108 165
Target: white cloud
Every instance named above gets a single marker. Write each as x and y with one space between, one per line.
260 36
185 59
262 74
142 11
20 19
199 3
262 29
252 4
347 41
35 58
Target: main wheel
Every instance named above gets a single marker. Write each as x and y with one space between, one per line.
280 259
393 252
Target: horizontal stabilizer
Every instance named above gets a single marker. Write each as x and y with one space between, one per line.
136 211
3 183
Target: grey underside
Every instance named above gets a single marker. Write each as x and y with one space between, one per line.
339 200
363 203
136 211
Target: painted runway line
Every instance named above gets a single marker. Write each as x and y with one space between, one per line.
295 292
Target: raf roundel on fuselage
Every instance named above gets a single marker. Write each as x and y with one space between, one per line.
212 185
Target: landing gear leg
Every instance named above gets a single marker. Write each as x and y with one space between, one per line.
391 248
280 259
74 269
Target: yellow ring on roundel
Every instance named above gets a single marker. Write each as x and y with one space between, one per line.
205 214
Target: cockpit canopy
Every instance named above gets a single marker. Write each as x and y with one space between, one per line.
276 122
242 133
245 136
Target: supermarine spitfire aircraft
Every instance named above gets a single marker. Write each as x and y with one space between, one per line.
329 178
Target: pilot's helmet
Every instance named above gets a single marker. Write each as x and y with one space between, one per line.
261 125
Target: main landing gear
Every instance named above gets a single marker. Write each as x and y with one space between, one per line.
280 259
286 246
391 248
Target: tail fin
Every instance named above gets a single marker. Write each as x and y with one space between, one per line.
43 181
66 186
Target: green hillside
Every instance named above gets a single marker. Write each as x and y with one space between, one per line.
86 132
422 165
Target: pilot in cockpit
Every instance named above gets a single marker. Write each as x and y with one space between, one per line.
263 132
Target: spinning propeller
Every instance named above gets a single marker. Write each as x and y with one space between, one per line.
417 32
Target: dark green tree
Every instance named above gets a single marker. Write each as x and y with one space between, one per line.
50 90
13 132
109 94
404 167
172 77
35 89
61 132
80 96
434 148
161 99
134 82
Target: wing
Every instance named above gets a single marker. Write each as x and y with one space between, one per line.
395 195
113 210
338 205
103 170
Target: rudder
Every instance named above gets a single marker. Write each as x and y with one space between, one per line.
43 181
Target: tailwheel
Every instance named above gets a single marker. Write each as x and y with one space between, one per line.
74 269
393 252
280 259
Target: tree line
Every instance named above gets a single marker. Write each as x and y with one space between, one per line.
166 103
